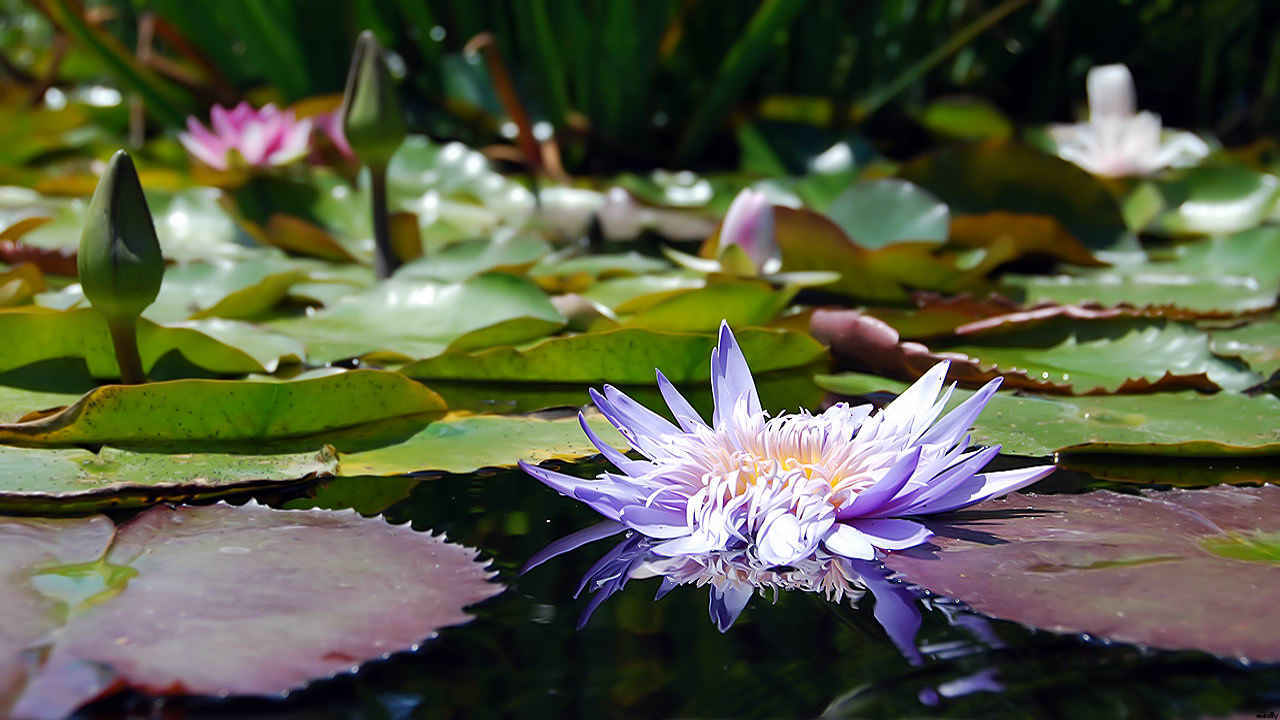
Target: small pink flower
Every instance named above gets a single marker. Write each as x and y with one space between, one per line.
264 137
749 225
331 125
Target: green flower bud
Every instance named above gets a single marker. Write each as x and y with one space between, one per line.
371 116
119 263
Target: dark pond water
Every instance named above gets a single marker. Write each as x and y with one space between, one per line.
798 656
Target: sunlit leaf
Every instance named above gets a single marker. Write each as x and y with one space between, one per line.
196 414
627 355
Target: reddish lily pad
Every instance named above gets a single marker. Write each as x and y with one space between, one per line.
216 600
1179 569
1087 361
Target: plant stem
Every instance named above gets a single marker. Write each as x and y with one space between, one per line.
124 336
385 260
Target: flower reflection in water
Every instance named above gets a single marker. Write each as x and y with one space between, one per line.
733 577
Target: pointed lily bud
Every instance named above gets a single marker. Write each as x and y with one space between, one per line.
119 263
371 116
748 229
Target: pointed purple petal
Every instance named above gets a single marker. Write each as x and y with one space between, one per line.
948 481
986 486
612 454
655 522
896 608
957 422
730 377
892 533
683 412
883 491
599 531
726 605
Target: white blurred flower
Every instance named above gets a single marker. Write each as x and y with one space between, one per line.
1117 140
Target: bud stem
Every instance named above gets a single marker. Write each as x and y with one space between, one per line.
124 336
385 260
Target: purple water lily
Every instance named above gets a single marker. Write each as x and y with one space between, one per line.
261 137
783 488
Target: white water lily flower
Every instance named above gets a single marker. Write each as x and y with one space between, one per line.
784 487
1117 140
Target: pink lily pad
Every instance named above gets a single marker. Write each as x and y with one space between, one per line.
217 600
1179 569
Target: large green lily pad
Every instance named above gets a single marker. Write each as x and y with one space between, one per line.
877 213
464 443
90 609
1216 199
1178 569
626 355
32 335
740 303
505 251
1185 424
1257 343
197 414
409 318
1110 356
72 480
1218 276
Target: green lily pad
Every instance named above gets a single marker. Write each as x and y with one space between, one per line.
1184 424
1257 343
37 334
623 356
466 443
993 176
877 213
205 413
91 608
702 309
410 318
1218 276
1177 569
1216 199
640 292
1109 356
503 252
75 480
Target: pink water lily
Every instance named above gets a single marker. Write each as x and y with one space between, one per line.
261 137
1117 140
784 487
749 226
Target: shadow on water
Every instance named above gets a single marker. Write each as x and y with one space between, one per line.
796 656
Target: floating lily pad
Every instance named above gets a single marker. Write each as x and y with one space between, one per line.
74 480
1217 199
31 335
1110 356
1007 176
1185 424
465 443
965 118
1099 358
1218 276
1178 569
146 605
19 284
626 355
1257 343
877 213
640 292
196 414
578 273
505 252
410 318
703 309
